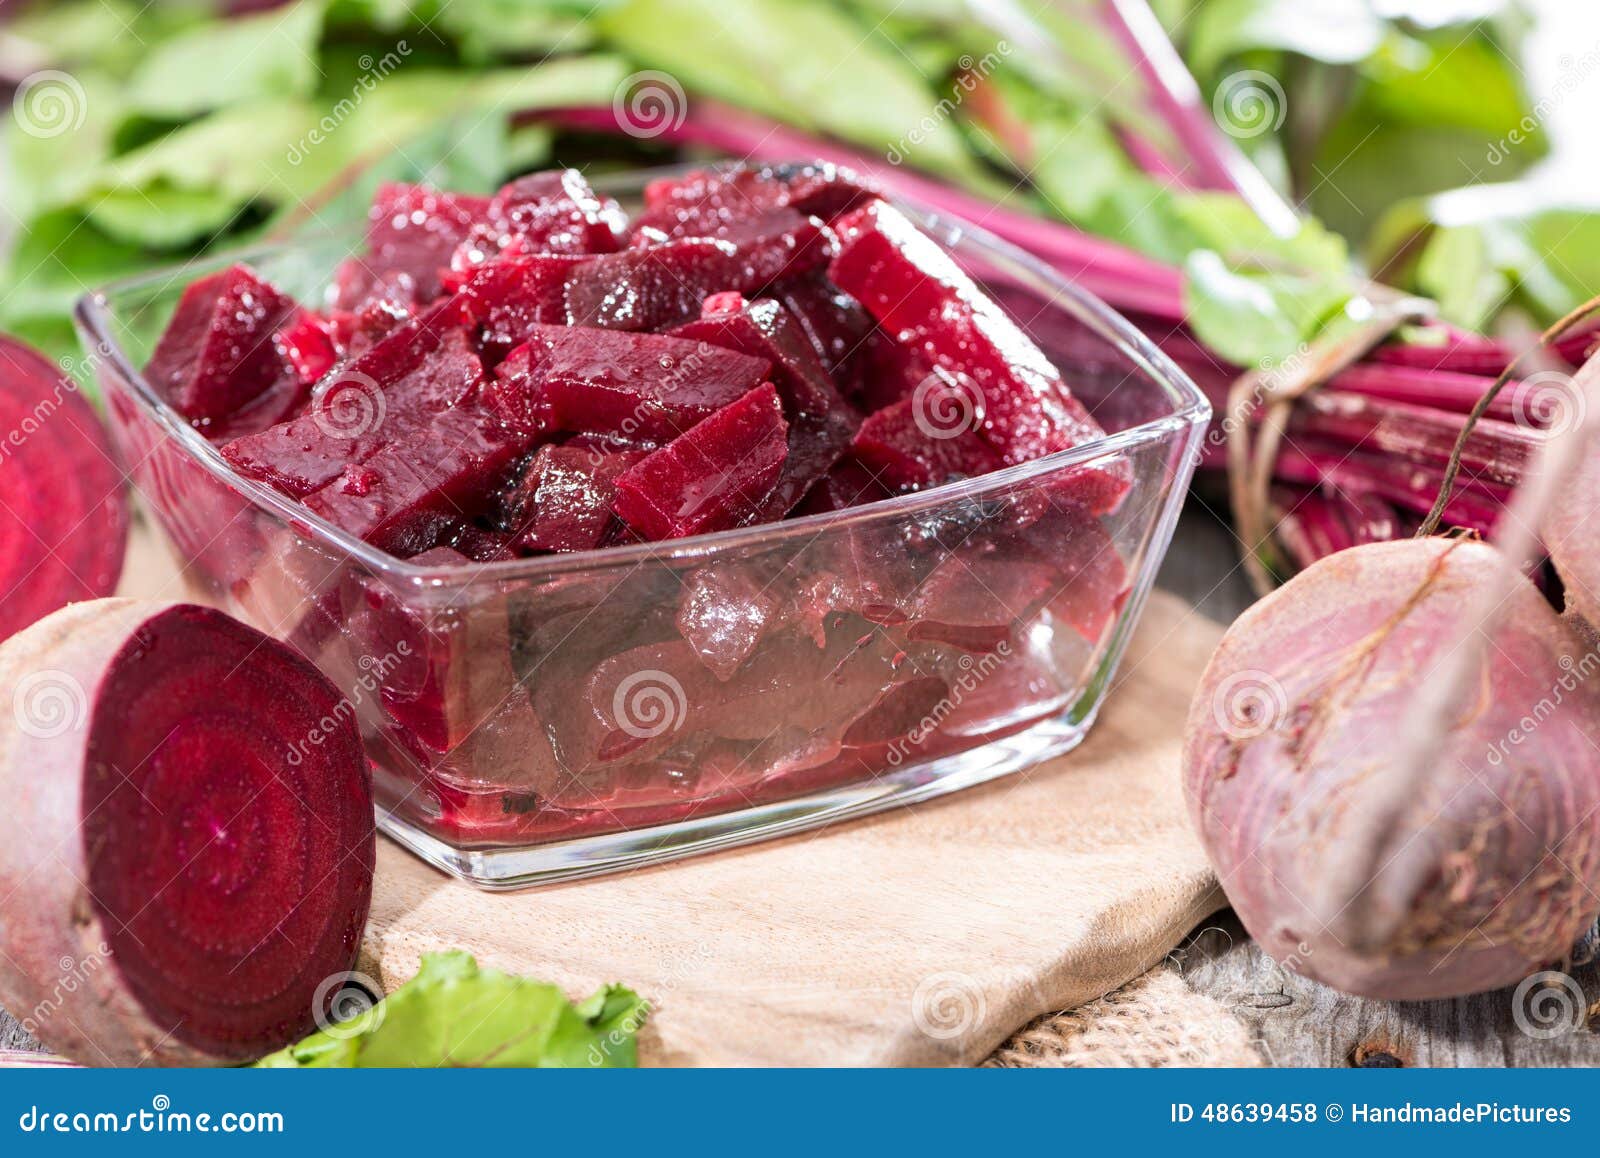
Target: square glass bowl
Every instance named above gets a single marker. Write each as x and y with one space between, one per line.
547 718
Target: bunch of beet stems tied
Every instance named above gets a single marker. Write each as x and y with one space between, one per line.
1362 435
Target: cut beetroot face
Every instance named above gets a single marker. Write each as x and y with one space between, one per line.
663 285
707 203
412 495
206 823
927 439
712 478
557 212
62 503
723 616
564 501
217 354
921 296
413 231
307 344
638 386
392 391
511 296
377 308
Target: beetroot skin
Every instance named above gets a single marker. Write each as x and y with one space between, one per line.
188 834
1294 724
62 504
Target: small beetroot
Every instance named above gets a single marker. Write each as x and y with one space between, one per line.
187 844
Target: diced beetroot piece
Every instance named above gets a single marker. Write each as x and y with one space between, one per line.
921 296
724 613
387 394
513 295
1092 581
714 477
815 445
927 439
909 706
366 310
834 322
306 342
483 546
414 230
410 495
557 212
764 329
564 501
706 202
643 386
858 572
978 600
448 695
848 484
217 354
650 289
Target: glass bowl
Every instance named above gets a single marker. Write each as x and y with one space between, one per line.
547 718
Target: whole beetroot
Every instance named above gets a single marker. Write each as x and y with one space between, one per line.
1298 724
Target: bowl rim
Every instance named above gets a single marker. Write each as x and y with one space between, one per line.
93 313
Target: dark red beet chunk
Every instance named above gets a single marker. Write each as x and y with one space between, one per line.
838 328
412 232
217 354
306 342
927 439
513 295
392 391
922 297
716 476
706 203
639 386
63 511
848 484
564 501
557 212
411 495
659 286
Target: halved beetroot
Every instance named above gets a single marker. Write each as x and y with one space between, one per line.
707 202
217 354
639 386
62 503
714 477
564 501
188 835
386 395
661 285
925 301
415 493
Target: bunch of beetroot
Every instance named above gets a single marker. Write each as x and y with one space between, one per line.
1391 759
533 373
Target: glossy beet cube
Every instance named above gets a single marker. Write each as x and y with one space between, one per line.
921 297
930 438
707 202
393 390
412 232
712 478
557 212
511 296
658 286
638 386
217 354
563 503
413 494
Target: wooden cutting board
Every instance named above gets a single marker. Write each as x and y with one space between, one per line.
920 936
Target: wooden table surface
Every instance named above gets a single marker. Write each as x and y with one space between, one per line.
1297 1022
